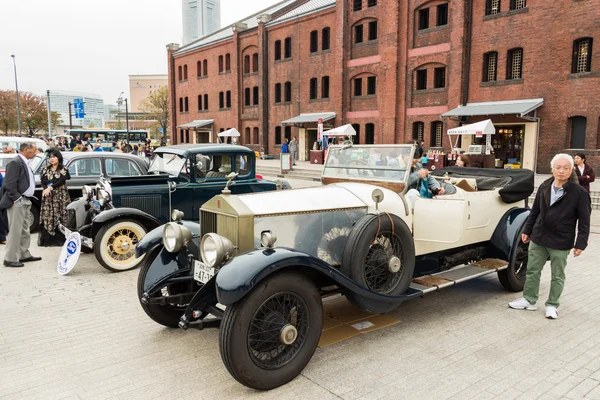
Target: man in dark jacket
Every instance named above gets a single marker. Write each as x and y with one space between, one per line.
2 229
17 189
560 207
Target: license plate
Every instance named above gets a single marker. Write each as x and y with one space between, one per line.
202 272
96 205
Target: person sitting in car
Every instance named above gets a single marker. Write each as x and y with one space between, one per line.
422 184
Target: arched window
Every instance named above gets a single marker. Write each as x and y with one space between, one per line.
221 100
255 136
228 99
582 55
247 135
325 87
205 67
185 72
247 96
514 67
288 48
325 39
227 62
373 34
199 102
313 88
278 93
356 137
187 104
246 64
255 62
370 133
220 64
199 69
181 133
255 95
314 41
206 101
187 135
181 104
418 130
578 128
180 73
436 134
288 133
288 91
490 66
277 50
277 135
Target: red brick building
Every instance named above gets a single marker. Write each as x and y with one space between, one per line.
398 71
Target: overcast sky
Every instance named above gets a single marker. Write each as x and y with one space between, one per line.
93 45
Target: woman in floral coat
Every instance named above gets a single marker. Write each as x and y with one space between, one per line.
55 199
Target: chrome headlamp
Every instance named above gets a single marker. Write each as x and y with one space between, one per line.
176 215
268 239
214 249
175 236
87 192
103 196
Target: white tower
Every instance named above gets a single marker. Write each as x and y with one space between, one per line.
200 18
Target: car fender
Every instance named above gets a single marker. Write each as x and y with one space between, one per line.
148 221
506 235
165 266
80 207
242 273
154 237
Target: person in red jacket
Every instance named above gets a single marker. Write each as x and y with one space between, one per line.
584 172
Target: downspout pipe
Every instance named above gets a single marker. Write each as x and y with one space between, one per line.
467 58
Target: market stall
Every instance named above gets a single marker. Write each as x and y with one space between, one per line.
342 134
229 133
480 155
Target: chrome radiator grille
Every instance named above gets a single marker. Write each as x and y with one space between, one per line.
223 225
149 204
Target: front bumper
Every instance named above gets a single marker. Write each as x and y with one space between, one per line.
86 241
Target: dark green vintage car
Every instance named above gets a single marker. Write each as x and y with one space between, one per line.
115 215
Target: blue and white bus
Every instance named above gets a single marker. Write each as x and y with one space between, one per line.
108 136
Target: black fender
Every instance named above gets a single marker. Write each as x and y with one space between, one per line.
148 221
81 210
242 273
167 266
154 237
506 236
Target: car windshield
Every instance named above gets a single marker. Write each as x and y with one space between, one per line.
167 163
375 162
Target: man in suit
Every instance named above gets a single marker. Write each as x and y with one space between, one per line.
18 187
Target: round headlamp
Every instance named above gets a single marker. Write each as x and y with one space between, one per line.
215 249
87 192
103 196
176 215
267 239
175 236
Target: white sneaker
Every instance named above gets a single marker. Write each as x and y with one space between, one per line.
522 304
551 312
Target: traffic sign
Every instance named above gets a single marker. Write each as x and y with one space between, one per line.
78 108
160 130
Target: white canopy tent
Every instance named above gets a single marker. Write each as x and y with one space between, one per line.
232 133
344 130
479 129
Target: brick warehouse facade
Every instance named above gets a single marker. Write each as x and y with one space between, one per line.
393 69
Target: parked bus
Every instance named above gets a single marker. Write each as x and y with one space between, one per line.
108 136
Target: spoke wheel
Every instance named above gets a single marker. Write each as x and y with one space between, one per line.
115 243
267 338
513 277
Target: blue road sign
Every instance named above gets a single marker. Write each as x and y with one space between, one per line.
78 108
160 129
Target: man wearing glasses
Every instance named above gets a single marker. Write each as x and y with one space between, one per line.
560 207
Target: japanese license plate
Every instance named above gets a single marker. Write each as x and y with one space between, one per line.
96 205
202 272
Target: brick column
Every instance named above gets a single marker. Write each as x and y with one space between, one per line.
263 82
171 48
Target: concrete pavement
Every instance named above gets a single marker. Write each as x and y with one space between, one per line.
85 336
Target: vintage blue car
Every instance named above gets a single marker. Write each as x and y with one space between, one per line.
115 215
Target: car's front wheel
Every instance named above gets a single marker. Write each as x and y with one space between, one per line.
114 245
513 277
267 338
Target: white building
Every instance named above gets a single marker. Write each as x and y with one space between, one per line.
93 108
200 18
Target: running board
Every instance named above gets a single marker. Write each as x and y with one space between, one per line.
430 283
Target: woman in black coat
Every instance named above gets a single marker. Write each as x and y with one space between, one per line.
585 173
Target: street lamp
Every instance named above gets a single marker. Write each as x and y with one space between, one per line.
119 102
17 90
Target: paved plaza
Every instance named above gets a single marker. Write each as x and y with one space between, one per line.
85 336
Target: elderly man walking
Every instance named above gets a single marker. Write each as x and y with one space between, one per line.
561 206
294 150
18 187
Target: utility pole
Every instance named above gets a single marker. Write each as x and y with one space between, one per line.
49 113
17 90
127 119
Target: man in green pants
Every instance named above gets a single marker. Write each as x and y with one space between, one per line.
560 207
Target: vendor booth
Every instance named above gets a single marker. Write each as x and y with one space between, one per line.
340 135
229 136
480 154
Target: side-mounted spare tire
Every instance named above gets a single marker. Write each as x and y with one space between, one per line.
380 255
